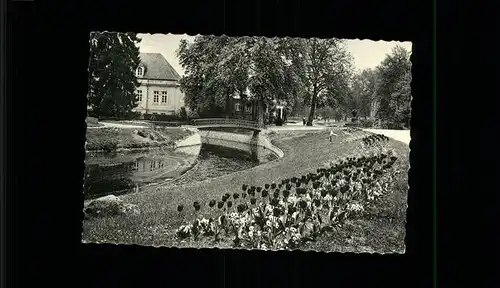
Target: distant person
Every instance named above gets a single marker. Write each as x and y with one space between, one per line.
304 121
331 135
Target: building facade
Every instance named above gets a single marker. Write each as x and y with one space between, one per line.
248 108
159 91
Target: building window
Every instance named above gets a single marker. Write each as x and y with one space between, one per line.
139 72
237 106
139 95
248 108
163 97
156 96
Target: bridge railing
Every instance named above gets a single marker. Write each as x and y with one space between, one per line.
226 122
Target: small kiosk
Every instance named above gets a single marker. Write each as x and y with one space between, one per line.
278 113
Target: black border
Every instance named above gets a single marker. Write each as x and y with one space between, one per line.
47 240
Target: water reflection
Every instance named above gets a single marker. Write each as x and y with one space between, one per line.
144 164
122 173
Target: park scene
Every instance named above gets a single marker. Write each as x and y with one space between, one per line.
247 142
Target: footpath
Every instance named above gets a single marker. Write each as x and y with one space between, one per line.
399 135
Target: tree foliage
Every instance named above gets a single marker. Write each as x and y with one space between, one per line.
202 91
219 67
114 57
393 91
363 92
324 68
311 72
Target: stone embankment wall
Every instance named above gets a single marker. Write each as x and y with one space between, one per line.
244 142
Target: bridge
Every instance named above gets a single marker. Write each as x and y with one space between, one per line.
227 122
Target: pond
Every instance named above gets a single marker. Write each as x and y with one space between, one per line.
126 172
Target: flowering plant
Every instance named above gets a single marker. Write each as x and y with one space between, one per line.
286 215
374 138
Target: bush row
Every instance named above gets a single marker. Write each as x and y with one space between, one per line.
372 139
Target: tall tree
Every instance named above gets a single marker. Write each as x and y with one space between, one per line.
272 77
219 67
324 67
114 57
393 89
363 91
202 89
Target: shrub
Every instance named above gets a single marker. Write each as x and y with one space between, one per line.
183 114
367 123
108 146
192 114
142 133
160 117
92 120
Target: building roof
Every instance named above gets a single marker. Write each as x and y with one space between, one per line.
157 67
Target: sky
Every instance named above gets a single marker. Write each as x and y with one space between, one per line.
366 53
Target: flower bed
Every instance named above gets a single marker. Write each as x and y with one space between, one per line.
353 134
285 215
381 225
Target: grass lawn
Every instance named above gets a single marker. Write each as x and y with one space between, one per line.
382 229
109 139
93 122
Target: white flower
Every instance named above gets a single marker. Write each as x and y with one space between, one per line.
259 233
268 223
355 207
251 228
269 209
250 234
274 221
293 199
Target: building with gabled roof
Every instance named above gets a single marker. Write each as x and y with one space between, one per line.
159 92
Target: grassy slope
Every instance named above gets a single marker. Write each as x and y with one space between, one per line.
382 230
112 138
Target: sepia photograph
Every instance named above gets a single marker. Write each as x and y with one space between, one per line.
247 142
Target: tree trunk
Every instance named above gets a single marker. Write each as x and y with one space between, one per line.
254 110
243 105
313 108
260 113
228 105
